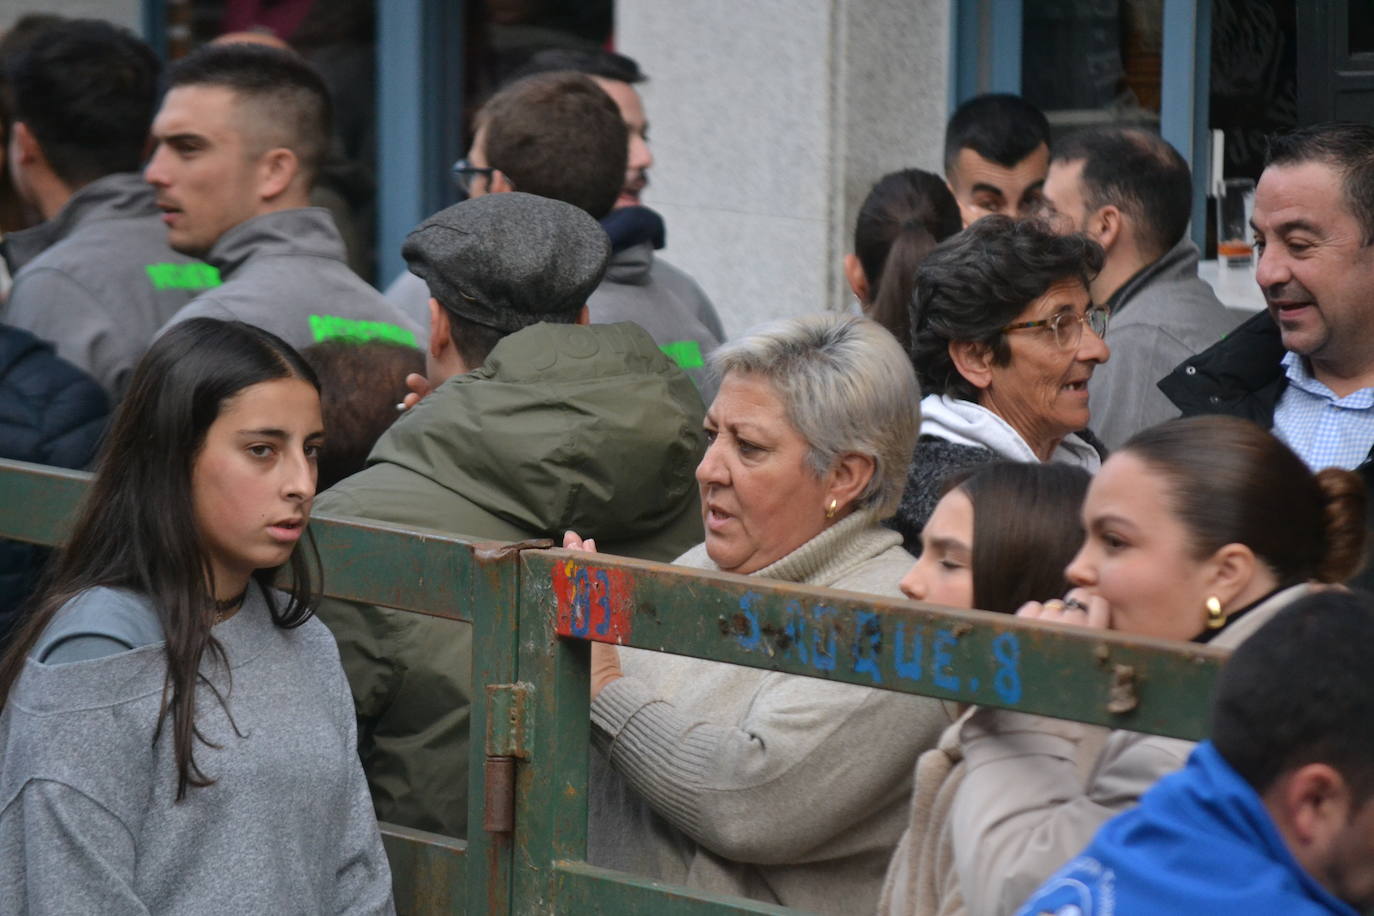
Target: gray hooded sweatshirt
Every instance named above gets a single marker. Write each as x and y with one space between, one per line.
98 280
89 821
287 272
643 288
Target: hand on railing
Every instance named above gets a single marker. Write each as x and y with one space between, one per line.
1079 608
605 658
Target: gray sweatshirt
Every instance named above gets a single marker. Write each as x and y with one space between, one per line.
98 280
1160 317
643 288
287 272
88 818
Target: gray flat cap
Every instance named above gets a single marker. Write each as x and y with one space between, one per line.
509 260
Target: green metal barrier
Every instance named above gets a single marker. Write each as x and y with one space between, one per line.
534 610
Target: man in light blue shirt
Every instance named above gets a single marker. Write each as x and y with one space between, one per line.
1325 429
1305 366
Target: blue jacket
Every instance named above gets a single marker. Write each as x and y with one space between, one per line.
1200 842
50 413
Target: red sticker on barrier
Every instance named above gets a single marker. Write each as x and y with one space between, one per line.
593 603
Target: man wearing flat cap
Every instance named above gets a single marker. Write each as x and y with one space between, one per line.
536 423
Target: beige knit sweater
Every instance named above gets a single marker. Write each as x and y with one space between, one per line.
772 786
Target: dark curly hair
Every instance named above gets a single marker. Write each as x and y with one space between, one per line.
979 281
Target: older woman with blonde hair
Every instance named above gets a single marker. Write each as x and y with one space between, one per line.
774 786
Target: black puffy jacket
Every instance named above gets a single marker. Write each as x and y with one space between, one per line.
50 413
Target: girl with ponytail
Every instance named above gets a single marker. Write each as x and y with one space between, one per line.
1199 529
905 215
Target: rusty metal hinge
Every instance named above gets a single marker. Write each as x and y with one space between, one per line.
506 741
498 804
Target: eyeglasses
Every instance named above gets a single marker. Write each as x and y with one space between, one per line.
1068 327
463 173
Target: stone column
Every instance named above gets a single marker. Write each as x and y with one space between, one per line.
769 121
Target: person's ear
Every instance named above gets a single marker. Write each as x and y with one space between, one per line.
973 360
499 183
277 168
584 316
847 479
1232 570
1311 806
858 281
1105 226
440 330
26 144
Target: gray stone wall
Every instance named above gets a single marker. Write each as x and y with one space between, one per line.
127 13
769 122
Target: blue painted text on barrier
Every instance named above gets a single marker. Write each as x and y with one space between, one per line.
811 636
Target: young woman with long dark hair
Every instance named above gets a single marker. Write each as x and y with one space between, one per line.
1000 536
175 735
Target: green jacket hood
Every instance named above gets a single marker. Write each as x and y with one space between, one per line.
564 426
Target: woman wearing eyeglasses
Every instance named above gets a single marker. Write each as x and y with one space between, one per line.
1004 340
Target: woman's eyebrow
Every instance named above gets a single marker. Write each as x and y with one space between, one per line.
1104 520
949 545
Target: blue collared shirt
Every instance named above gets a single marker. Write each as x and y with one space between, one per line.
1325 430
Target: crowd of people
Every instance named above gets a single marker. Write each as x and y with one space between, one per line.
1034 406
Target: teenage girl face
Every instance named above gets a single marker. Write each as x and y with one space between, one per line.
254 479
1137 556
944 573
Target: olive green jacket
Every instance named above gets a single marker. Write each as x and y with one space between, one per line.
584 427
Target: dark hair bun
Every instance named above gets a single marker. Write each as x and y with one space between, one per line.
1344 496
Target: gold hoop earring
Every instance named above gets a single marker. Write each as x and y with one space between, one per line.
1215 618
831 509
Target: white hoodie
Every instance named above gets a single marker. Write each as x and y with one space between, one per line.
966 423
